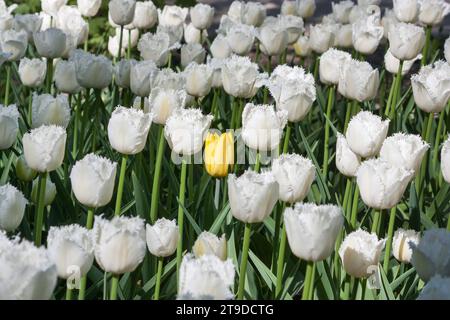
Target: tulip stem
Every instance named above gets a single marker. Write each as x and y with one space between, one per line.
49 75
244 260
40 209
327 132
75 127
437 140
376 221
427 46
307 281
30 108
387 252
257 162
114 286
8 80
354 208
123 168
311 282
397 91
158 277
119 53
448 223
89 224
391 94
129 46
68 293
156 177
280 262
348 114
181 215
426 132
286 138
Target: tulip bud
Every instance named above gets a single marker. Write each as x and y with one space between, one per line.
252 196
172 15
303 47
330 65
360 253
14 43
219 154
32 72
312 230
128 129
92 180
404 150
145 15
381 184
44 147
142 75
30 23
438 288
273 39
92 71
47 110
202 16
445 160
192 52
240 38
70 20
406 10
198 79
262 126
65 77
71 246
50 191
194 35
431 87
321 38
155 47
51 7
208 243
347 162
358 80
406 40
23 171
119 243
9 125
431 256
12 207
89 8
367 33
341 10
50 43
294 174
392 63
26 272
122 71
163 101
205 278
162 237
403 243
122 11
306 8
433 12
220 48
186 129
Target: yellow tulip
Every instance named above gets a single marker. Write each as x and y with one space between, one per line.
219 154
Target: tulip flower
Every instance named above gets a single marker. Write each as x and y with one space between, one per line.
162 102
431 256
14 43
194 35
341 11
202 16
208 243
156 47
49 195
367 33
51 7
169 79
219 154
216 65
381 184
431 87
162 237
403 243
321 37
262 126
445 160
388 21
306 8
206 277
330 65
142 75
32 72
70 20
302 47
122 71
273 39
240 38
250 13
23 171
360 253
192 52
26 272
65 77
343 37
47 110
406 10
9 125
30 23
347 162
92 71
220 48
175 32
12 207
289 8
392 63
198 79
145 15
92 179
50 43
89 8
404 150
122 11
406 41
433 12
436 289
172 15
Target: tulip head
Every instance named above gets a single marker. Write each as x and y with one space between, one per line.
198 79
406 10
306 8
273 39
162 237
155 47
202 16
330 65
122 11
32 72
341 11
392 63
92 71
162 102
14 44
23 171
9 125
89 8
347 162
12 207
192 52
433 12
30 23
438 288
240 38
71 22
403 243
122 71
302 46
219 154
51 7
172 15
220 48
50 43
406 40
208 243
65 77
47 110
145 15
142 75
321 37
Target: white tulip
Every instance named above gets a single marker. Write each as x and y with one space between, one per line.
71 247
47 110
289 8
162 102
344 37
431 256
169 79
220 48
44 147
30 23
162 237
447 50
402 244
6 15
26 272
198 79
156 47
50 192
433 12
293 91
23 171
341 10
306 8
365 3
122 11
186 130
32 72
273 39
294 174
252 195
360 253
47 21
303 47
50 43
92 179
175 33
250 13
70 20
65 77
241 78
358 80
202 16
9 125
145 15
142 75
51 7
71 44
14 43
367 34
194 35
293 25
92 71
192 52
205 278
12 207
406 40
262 126
347 162
216 65
445 160
392 63
321 38
89 8
120 244
330 65
208 243
312 230
431 87
406 10
122 71
172 15
240 38
388 21
381 184
404 150
438 288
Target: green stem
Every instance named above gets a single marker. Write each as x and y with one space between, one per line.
426 48
49 75
7 85
181 216
426 132
354 214
391 94
397 91
348 114
30 108
40 209
387 252
258 162
68 293
448 223
286 138
327 132
123 168
311 284
156 177
437 140
75 127
129 46
280 261
376 221
89 225
307 282
119 53
114 287
244 260
316 67
158 277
